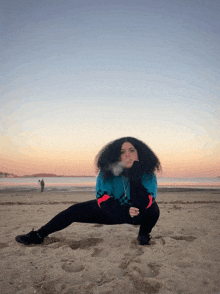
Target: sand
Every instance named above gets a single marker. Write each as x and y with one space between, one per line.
184 255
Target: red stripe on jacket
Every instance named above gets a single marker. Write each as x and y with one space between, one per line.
103 198
151 201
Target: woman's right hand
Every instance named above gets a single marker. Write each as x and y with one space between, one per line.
133 211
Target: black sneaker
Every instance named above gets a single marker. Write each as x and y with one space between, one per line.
144 239
31 238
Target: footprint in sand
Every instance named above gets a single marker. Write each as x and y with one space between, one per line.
3 245
81 244
141 275
72 267
161 239
139 270
145 285
186 238
154 267
85 243
99 252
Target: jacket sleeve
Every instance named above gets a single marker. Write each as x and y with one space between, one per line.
105 198
150 183
143 192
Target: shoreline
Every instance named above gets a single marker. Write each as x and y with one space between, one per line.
89 189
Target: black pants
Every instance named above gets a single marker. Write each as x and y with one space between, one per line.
89 212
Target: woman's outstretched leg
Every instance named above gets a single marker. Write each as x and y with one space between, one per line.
85 212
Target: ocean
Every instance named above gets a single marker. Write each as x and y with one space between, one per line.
88 183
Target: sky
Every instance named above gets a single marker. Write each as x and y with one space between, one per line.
76 75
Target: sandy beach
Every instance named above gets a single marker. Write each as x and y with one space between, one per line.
183 258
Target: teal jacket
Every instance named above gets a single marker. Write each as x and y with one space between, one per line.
121 193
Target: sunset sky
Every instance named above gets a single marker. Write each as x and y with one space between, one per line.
77 74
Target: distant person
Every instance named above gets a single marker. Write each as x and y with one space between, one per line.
126 190
42 184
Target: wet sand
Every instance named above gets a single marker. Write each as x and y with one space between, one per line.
183 258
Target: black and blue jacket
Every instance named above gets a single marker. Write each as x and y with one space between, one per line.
112 198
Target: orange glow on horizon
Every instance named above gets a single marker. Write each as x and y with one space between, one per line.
67 165
79 160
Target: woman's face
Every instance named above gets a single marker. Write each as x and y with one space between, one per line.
128 154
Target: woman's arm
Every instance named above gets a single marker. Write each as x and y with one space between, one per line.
140 196
143 188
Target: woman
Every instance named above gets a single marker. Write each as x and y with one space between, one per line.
126 189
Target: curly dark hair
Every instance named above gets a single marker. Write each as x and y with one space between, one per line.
110 154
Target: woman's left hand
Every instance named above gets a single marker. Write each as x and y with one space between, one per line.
133 211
